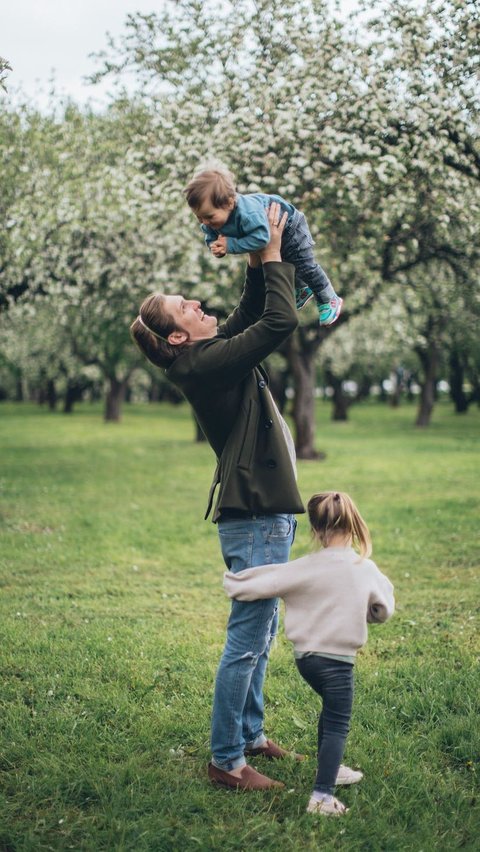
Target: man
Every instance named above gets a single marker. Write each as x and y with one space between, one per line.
218 371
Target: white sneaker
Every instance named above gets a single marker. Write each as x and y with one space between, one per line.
327 807
348 776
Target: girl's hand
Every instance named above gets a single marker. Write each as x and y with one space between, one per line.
219 247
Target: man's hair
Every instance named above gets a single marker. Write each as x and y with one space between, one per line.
334 512
214 185
150 331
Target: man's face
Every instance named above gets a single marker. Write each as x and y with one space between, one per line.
214 217
189 319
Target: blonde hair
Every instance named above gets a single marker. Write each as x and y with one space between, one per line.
150 331
334 512
214 185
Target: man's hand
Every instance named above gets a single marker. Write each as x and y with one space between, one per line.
277 225
219 247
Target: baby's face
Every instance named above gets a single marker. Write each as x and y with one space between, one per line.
214 217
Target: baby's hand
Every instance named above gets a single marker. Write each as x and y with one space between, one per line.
219 247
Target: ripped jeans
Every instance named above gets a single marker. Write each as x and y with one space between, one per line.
237 718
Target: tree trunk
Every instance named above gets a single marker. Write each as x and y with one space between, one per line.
429 360
278 387
302 366
475 394
154 391
114 399
395 396
72 395
51 395
340 401
408 387
458 395
363 391
397 382
69 399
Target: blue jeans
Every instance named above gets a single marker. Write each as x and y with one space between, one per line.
237 718
333 680
297 248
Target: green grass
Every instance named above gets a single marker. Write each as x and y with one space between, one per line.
112 622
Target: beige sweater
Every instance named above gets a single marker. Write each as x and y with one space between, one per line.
329 597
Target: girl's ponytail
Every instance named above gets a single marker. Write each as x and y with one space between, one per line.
333 512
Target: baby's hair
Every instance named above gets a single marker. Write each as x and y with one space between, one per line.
334 512
214 185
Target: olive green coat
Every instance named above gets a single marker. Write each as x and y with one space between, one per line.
228 390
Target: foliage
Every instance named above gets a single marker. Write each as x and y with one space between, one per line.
5 67
83 237
369 126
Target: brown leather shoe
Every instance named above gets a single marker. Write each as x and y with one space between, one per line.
249 779
272 751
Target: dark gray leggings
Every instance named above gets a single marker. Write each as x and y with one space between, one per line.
333 680
297 248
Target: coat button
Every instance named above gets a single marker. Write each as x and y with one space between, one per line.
271 463
262 384
268 423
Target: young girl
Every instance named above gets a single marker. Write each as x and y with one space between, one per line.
329 597
235 224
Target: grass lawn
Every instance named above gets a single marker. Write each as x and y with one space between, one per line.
112 623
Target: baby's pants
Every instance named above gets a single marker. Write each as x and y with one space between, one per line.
297 248
333 680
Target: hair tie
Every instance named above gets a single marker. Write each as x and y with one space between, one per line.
159 336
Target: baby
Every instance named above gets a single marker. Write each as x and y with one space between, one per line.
237 224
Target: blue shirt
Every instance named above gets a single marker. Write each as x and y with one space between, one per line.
246 229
